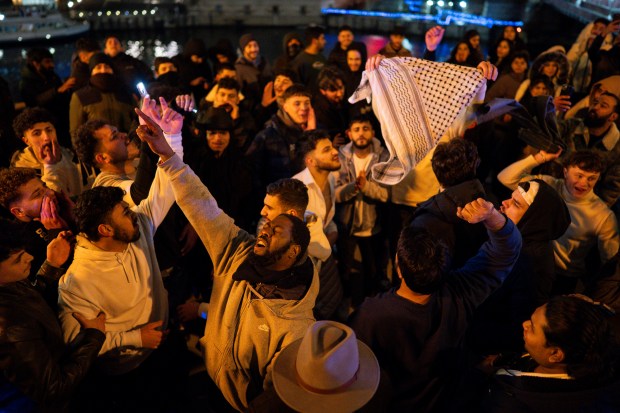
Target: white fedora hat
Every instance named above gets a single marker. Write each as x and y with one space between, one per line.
328 370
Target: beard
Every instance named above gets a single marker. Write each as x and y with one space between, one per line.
125 236
269 258
592 121
368 142
329 166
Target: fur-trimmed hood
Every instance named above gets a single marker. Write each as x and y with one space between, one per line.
554 54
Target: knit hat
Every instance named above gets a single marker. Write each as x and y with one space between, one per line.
328 370
547 217
214 119
99 58
245 39
196 47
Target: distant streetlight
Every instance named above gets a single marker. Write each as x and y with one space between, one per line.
463 4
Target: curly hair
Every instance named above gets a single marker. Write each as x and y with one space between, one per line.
422 260
586 160
84 141
11 179
580 328
93 208
292 193
455 162
331 79
30 117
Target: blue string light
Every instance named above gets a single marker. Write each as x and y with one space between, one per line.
444 17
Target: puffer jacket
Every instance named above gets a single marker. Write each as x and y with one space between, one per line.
90 103
36 364
373 193
272 153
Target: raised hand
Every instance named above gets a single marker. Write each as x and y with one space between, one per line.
268 96
374 62
562 103
482 211
433 37
59 249
360 181
311 125
153 135
98 323
151 336
488 70
185 102
69 83
542 156
171 121
50 154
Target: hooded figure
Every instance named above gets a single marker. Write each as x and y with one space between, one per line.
193 67
497 324
292 44
554 56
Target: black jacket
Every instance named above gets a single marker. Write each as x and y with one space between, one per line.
33 356
438 216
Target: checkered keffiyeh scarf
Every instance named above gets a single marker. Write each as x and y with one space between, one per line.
416 101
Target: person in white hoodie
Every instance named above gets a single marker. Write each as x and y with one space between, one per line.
115 270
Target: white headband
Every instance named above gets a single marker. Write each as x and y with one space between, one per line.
530 195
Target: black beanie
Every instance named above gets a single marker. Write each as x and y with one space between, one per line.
99 58
245 39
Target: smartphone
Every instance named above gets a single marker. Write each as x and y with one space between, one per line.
141 89
567 90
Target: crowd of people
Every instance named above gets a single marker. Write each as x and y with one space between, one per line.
445 239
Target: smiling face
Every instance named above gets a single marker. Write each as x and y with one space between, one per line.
515 207
298 108
354 60
40 138
579 183
324 157
251 50
16 267
345 38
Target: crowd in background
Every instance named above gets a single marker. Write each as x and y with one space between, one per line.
222 198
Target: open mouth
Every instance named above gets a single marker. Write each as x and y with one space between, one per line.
261 241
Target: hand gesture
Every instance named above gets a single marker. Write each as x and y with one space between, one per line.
268 95
433 37
59 249
50 216
151 336
562 103
171 121
188 311
374 62
482 211
190 236
543 156
98 323
361 180
185 102
488 70
311 125
50 154
69 83
152 134
612 27
281 84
